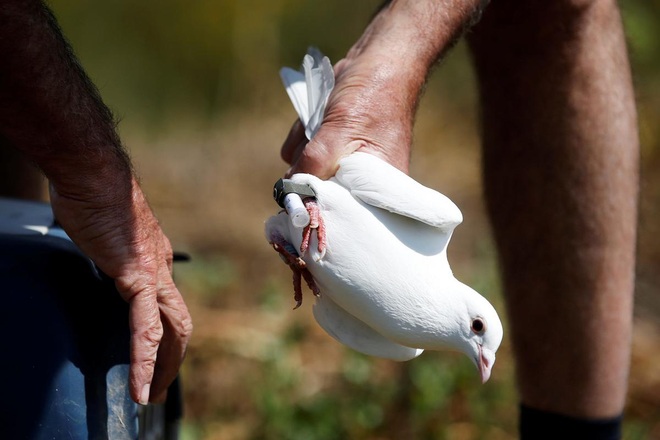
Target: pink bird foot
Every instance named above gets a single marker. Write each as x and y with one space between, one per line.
298 266
316 223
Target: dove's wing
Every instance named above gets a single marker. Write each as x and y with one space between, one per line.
309 88
338 323
380 184
354 333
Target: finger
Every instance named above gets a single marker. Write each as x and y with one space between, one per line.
323 161
292 142
311 162
296 157
177 329
160 398
168 253
146 334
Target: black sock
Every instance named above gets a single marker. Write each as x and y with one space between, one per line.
541 425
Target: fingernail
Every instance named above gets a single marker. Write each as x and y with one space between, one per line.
144 396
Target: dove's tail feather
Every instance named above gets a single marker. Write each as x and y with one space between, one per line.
309 88
294 82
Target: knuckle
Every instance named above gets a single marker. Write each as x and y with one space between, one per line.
150 335
186 328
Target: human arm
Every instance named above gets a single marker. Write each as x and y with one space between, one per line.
378 85
52 113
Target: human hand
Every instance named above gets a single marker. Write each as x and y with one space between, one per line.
378 85
119 232
365 112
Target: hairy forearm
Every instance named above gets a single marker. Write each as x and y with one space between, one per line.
398 50
418 31
49 109
380 81
378 85
407 37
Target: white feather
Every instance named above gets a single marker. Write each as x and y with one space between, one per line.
309 88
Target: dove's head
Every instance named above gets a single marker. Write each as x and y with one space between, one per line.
481 332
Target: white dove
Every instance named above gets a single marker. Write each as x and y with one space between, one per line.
378 262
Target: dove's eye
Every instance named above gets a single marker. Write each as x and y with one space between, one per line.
478 326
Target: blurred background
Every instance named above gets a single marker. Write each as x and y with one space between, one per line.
203 113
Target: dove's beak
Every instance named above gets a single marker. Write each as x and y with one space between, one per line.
485 363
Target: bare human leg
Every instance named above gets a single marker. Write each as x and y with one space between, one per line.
560 152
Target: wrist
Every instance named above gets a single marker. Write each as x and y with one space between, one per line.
104 176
